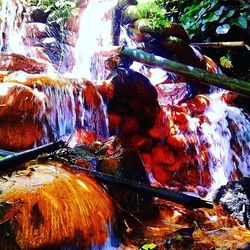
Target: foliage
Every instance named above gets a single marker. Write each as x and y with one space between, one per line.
200 18
153 11
226 61
214 16
59 10
149 246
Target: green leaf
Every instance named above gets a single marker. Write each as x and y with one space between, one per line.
225 62
219 11
203 27
223 29
242 22
230 13
149 246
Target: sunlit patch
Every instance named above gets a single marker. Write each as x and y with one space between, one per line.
92 38
4 88
82 184
50 204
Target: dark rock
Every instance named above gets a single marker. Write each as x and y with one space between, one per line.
38 15
235 198
131 168
134 95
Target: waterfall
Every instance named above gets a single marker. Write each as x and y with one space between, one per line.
13 31
94 34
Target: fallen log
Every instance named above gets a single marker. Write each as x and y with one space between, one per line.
180 198
203 76
22 157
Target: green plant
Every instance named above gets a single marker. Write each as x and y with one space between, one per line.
59 10
214 16
153 12
149 246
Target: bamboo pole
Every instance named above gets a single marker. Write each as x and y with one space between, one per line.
139 187
5 153
219 45
15 159
193 73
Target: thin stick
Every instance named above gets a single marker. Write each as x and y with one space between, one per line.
139 187
219 45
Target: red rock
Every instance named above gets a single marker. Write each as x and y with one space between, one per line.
206 178
147 161
198 104
114 120
82 136
141 142
189 175
20 135
16 62
161 128
37 30
71 38
161 174
163 155
181 120
74 19
177 141
229 97
129 125
18 101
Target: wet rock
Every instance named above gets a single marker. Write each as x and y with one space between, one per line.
16 62
131 168
67 62
73 23
235 198
180 239
37 30
20 135
71 38
133 95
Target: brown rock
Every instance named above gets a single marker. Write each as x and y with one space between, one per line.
16 62
163 155
18 101
37 30
16 136
129 125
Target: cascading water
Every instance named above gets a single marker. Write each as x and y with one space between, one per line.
12 27
64 97
94 34
226 134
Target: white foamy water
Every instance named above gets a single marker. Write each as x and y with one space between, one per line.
94 34
12 27
227 136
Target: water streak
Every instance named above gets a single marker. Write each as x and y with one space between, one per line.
94 34
13 27
226 134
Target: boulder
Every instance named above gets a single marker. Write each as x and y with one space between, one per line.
235 198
